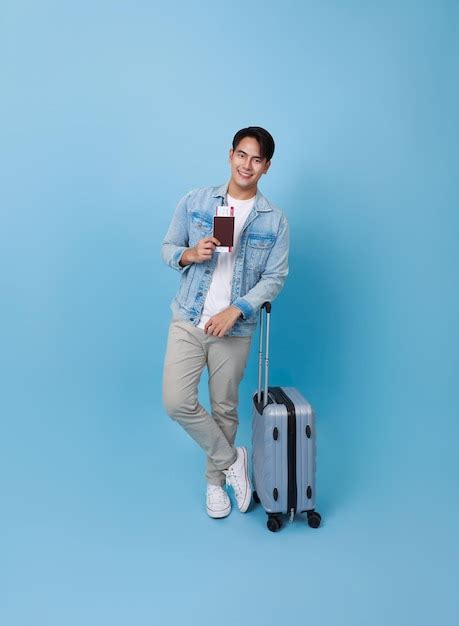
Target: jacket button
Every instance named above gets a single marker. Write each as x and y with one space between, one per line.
207 272
191 319
199 294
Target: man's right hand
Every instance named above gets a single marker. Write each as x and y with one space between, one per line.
201 252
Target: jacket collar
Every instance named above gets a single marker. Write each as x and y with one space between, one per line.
260 204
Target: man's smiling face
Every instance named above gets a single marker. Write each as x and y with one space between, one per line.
247 164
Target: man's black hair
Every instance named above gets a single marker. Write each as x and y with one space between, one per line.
261 135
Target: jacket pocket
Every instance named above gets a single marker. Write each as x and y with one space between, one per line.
201 225
258 249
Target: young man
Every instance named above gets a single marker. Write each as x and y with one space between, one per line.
216 308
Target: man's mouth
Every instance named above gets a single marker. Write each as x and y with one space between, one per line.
244 175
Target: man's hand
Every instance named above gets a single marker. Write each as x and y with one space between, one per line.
221 323
201 252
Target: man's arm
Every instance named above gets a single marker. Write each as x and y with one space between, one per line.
175 251
187 258
175 243
273 277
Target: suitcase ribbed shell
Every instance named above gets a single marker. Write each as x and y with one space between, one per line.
270 454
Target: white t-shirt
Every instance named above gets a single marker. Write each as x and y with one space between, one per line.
219 295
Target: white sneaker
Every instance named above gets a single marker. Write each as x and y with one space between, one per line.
237 476
218 503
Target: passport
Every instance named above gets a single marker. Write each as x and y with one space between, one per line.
224 230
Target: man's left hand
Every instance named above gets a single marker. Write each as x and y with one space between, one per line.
223 322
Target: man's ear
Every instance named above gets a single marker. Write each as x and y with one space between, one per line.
267 166
231 152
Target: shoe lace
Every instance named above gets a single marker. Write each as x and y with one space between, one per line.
232 480
218 495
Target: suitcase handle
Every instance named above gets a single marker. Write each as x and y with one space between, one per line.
267 306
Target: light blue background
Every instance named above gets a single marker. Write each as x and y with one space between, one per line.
110 112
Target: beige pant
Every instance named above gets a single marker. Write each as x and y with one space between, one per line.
188 350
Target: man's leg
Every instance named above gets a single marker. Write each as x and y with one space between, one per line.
226 361
186 356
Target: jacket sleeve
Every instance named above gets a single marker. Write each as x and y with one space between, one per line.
176 240
273 277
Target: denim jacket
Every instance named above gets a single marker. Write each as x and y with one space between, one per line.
261 256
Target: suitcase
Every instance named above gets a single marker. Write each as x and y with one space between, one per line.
283 447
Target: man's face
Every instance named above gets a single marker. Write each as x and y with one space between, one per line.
247 166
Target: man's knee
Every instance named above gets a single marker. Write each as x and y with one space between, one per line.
224 404
177 406
171 403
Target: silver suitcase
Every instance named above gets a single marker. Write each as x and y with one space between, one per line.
283 447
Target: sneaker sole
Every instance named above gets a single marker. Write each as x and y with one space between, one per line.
248 497
219 514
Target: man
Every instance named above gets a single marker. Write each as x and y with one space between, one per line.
216 308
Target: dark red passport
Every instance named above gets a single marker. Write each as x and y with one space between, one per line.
224 230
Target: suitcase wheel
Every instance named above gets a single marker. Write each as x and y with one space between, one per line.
314 519
255 497
274 524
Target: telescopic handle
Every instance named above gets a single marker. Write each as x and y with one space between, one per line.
267 306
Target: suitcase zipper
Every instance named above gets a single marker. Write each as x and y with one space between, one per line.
281 397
